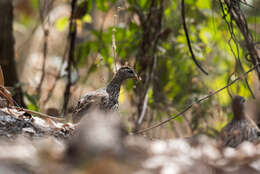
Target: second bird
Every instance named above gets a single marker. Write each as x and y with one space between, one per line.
240 128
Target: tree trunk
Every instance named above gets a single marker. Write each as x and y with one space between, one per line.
7 49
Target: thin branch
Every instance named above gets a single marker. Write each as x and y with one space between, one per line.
2 80
114 39
150 77
246 81
198 101
144 107
236 42
38 113
188 38
236 14
57 76
72 37
44 8
228 81
45 51
246 4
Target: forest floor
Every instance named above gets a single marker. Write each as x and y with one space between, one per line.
101 144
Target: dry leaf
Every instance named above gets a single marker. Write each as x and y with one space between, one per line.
4 93
2 80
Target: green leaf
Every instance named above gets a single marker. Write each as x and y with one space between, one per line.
35 4
62 23
203 4
190 2
33 101
150 96
167 12
143 3
92 68
32 107
109 60
83 50
102 5
87 18
179 119
90 5
130 84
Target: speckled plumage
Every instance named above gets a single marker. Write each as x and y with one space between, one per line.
240 128
104 99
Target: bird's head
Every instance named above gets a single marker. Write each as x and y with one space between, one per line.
126 73
238 106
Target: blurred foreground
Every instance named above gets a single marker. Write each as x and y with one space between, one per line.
100 144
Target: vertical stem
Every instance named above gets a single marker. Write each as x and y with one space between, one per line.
45 51
7 55
72 37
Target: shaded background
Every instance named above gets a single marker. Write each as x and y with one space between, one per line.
148 35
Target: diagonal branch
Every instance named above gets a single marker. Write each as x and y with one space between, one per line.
236 42
197 102
237 15
188 38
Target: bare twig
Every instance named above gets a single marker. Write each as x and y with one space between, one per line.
57 76
188 38
246 81
144 107
72 37
38 113
145 100
114 39
236 42
228 81
4 93
198 101
45 50
44 8
2 80
246 4
236 14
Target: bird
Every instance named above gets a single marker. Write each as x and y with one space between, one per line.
240 128
104 99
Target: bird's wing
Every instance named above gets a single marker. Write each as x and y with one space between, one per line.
89 102
95 98
231 135
90 98
238 131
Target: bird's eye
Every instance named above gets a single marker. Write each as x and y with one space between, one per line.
243 100
130 71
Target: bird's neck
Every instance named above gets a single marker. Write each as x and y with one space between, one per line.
113 88
239 114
